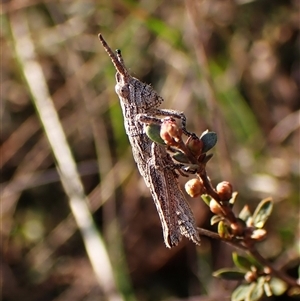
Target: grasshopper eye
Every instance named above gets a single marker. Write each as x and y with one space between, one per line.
124 91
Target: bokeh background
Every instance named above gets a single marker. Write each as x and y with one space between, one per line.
231 66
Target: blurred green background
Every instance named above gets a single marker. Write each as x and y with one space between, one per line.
231 66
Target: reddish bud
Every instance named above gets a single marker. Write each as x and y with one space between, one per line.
224 190
250 276
194 188
170 132
195 145
238 227
215 207
259 234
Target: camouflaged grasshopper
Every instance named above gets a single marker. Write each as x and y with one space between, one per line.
139 101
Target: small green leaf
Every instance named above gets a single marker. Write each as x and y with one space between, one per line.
181 157
262 212
240 293
257 290
229 274
267 289
209 140
241 262
278 287
206 198
245 213
153 132
223 230
233 198
215 219
255 263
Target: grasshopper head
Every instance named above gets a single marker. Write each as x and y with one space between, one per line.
130 90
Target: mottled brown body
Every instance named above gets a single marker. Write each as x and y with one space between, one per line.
154 163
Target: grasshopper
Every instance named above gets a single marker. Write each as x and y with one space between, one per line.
153 161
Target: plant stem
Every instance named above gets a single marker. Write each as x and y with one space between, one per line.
289 280
253 251
227 212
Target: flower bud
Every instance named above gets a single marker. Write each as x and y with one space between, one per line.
194 188
195 145
238 227
215 207
224 190
170 132
259 234
250 276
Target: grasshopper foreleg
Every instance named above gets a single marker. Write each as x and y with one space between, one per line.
152 118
